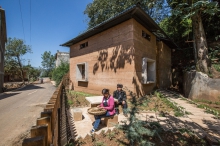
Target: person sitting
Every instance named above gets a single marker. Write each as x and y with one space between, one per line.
108 104
120 95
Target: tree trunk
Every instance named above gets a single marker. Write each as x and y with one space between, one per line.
203 61
21 69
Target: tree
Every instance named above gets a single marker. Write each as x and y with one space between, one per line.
100 10
15 49
48 63
180 31
194 10
33 72
60 71
136 130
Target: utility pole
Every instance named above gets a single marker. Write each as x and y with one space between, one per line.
28 70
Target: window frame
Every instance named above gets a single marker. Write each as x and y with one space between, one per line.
145 35
83 45
79 69
148 75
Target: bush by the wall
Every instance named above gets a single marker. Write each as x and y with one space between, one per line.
59 72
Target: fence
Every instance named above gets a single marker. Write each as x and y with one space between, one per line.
53 128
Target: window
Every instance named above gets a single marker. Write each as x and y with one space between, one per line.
145 35
148 71
84 45
81 72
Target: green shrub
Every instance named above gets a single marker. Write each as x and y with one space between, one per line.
136 130
59 72
70 102
99 143
216 66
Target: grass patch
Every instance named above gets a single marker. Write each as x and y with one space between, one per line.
70 102
78 93
158 102
217 67
77 98
206 101
178 110
152 103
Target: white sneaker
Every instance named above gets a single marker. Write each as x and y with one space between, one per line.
92 131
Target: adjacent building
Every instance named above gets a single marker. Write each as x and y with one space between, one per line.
61 57
129 48
3 40
15 76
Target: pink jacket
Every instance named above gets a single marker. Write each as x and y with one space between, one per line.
111 105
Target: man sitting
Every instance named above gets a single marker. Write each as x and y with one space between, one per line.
120 95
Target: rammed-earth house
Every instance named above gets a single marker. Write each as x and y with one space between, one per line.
129 48
3 40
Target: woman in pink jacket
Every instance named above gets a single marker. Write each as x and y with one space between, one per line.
108 104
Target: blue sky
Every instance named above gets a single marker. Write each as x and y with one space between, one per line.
46 23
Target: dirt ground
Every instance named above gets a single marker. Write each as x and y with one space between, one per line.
118 138
215 73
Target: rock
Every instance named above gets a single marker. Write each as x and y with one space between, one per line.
197 85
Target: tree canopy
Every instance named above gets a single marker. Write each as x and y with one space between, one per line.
48 63
15 49
195 11
100 10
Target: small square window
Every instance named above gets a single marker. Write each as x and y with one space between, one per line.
83 45
145 35
148 71
82 72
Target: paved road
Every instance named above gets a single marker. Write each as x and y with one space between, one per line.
19 111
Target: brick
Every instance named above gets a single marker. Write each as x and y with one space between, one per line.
41 130
50 105
46 121
35 141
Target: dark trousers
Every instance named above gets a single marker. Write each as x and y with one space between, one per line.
124 106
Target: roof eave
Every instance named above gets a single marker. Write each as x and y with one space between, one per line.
134 12
101 27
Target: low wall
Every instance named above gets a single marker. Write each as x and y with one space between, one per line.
197 85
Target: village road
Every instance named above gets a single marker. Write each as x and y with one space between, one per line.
19 111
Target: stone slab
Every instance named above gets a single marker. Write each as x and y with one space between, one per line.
95 99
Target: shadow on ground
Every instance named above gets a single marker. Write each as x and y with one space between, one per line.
30 87
7 95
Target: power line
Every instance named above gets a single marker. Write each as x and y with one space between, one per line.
30 21
22 19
